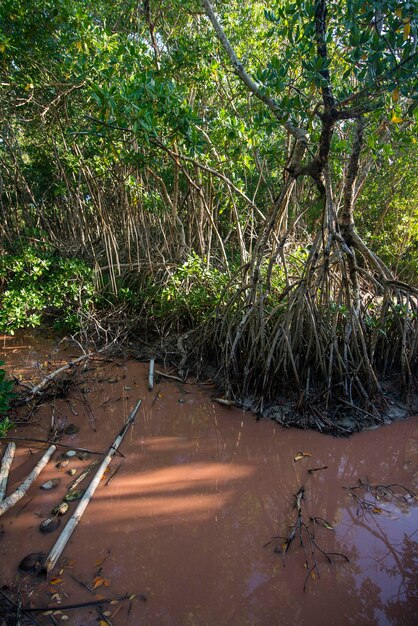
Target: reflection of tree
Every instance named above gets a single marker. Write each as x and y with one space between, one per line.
402 609
400 562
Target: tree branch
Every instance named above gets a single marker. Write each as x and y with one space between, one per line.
298 133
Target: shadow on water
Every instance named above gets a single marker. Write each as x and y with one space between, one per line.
201 489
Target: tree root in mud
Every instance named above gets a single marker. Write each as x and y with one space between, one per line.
304 531
331 335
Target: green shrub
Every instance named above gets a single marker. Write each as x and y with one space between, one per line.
191 294
36 285
6 395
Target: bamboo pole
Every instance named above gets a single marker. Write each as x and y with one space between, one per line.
21 491
63 539
5 469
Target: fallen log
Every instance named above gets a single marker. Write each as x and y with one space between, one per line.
63 539
22 490
5 469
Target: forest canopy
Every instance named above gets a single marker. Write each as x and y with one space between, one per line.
236 179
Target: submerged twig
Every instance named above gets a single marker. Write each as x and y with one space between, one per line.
306 530
83 475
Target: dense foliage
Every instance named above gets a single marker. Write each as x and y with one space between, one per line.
246 167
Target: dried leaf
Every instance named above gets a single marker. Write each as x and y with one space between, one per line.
301 455
98 582
376 509
103 623
114 602
132 597
106 582
56 581
313 575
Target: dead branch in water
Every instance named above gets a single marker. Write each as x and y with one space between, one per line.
59 546
5 469
379 493
56 443
43 388
303 531
22 490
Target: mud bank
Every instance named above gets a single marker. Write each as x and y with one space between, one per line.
200 490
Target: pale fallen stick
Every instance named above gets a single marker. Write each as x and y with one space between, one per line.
63 539
151 375
5 469
170 376
21 491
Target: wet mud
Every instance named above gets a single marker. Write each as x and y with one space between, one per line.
200 490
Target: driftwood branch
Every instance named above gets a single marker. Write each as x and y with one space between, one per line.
5 469
22 490
35 391
63 539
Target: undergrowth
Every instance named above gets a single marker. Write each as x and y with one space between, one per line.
39 285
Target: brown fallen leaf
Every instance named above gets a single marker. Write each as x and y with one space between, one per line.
55 581
301 455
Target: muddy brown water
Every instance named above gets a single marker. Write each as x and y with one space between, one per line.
200 490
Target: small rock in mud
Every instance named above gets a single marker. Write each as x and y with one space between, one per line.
49 525
34 562
62 464
60 509
69 454
74 495
72 472
51 484
71 429
83 456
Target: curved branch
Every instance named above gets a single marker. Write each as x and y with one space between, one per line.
298 133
